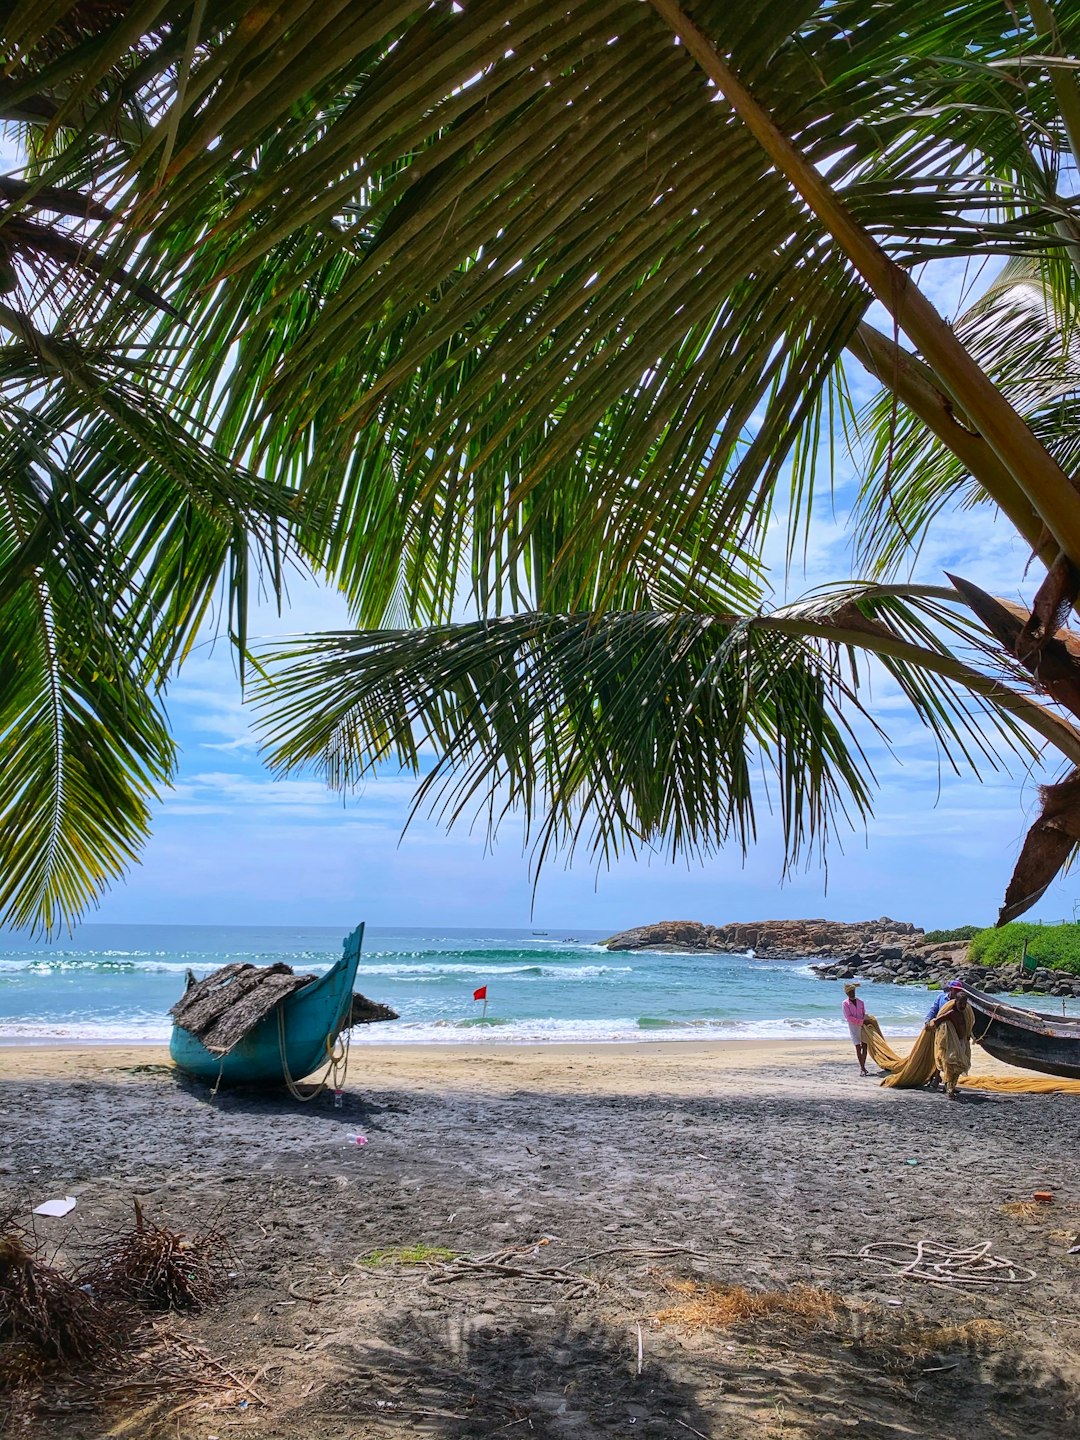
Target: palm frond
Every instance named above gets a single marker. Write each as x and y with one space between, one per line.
175 516
645 728
493 258
83 746
1023 331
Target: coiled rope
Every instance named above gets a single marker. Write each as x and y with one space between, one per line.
941 1264
337 1062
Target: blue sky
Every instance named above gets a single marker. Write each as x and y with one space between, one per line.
232 845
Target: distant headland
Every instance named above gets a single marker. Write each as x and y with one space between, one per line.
776 939
886 951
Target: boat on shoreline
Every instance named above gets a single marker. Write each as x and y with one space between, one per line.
292 1039
1030 1039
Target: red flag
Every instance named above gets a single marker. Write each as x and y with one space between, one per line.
480 994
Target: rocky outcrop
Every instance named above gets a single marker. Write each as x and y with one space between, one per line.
934 964
889 952
774 939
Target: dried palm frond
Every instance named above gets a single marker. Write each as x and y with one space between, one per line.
46 1318
369 1012
158 1268
720 1307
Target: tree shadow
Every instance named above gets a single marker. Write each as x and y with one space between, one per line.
903 1377
540 1375
557 1376
263 1102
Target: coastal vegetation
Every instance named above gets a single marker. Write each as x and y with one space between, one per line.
960 932
544 314
1051 947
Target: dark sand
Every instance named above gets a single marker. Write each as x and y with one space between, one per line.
754 1163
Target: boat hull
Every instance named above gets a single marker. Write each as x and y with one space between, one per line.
1047 1054
311 1020
1030 1039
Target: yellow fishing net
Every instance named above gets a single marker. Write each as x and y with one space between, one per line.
907 1072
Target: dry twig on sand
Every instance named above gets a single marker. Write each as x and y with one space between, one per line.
77 1346
215 1366
47 1319
507 1265
159 1268
50 1328
162 1376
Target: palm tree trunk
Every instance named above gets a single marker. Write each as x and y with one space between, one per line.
916 387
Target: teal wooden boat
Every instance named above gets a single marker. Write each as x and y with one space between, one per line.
294 1040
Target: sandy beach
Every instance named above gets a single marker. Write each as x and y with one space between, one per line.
627 1188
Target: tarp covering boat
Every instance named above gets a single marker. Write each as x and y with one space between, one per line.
225 1005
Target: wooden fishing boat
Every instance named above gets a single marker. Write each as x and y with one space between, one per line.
1030 1039
299 1033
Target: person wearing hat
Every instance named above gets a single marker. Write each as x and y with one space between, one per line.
951 990
942 998
854 1012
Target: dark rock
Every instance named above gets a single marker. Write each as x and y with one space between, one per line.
886 951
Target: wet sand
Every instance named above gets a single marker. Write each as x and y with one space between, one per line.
761 1164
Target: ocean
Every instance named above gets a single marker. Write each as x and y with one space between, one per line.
116 983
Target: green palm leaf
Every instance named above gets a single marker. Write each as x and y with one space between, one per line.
645 728
82 743
498 258
1023 331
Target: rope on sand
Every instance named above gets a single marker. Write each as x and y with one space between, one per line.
941 1264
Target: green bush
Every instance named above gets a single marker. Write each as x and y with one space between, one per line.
939 937
1054 947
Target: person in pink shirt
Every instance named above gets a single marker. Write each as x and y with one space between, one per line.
854 1012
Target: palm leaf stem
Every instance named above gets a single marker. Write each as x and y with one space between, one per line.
859 633
33 195
45 625
1064 85
172 121
1033 468
916 386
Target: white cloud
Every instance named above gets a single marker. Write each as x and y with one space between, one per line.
258 796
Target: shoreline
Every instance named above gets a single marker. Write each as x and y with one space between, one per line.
748 1048
631 1067
646 1039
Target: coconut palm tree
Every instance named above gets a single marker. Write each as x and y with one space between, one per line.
121 517
549 304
